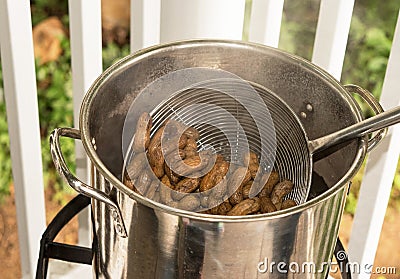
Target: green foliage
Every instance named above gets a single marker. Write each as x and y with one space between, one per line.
299 21
369 44
112 53
54 83
352 198
246 21
55 110
366 67
42 9
5 162
395 193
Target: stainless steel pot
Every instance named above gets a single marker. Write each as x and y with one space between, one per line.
137 238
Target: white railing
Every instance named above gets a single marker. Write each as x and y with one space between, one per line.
23 126
152 22
86 60
379 172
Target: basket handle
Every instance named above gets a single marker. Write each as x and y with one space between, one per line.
375 106
77 184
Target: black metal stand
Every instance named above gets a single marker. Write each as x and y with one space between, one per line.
60 251
342 259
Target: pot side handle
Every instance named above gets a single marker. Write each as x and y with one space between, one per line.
78 185
375 106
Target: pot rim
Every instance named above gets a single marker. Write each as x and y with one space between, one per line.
141 54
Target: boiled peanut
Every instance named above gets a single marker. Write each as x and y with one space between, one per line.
246 189
192 133
224 207
173 203
239 177
136 165
214 176
222 170
155 142
237 196
128 182
187 185
288 204
182 154
190 148
192 164
221 209
158 171
165 180
174 157
280 191
155 155
266 205
190 153
204 200
184 159
214 210
156 160
142 134
165 190
250 158
217 193
173 177
142 182
245 207
169 145
191 144
270 183
189 202
253 168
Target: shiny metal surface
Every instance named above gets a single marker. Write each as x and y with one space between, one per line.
376 108
162 245
307 89
78 185
164 242
381 121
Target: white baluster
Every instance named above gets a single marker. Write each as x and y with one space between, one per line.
23 125
86 59
145 23
379 173
331 35
265 21
182 19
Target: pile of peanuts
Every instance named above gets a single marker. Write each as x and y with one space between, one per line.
175 162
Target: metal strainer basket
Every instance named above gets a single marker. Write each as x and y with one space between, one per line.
234 116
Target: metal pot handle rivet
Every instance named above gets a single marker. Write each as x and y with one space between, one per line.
377 109
78 185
